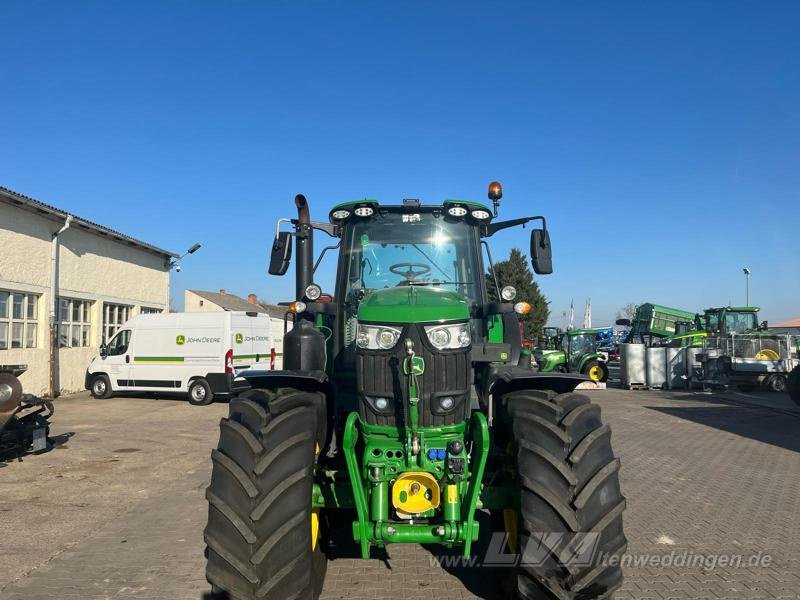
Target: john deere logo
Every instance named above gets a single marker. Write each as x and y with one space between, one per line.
239 338
180 340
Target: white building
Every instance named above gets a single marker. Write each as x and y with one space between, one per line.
83 278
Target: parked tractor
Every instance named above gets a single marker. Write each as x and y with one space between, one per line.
402 412
550 338
576 353
23 417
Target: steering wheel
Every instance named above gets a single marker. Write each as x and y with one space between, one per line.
412 270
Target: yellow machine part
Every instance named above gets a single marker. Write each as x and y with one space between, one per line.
596 373
415 492
767 354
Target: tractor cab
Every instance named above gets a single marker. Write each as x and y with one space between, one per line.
730 319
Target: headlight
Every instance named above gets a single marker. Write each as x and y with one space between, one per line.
313 292
449 337
508 293
377 337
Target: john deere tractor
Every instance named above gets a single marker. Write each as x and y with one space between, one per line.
576 352
402 413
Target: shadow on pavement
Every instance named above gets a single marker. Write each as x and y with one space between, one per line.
488 583
757 423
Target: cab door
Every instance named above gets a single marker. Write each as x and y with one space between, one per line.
118 360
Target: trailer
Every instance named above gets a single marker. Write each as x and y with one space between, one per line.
748 361
653 321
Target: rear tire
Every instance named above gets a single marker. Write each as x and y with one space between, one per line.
200 393
777 383
100 387
259 515
569 495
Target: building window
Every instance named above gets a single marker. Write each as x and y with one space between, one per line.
146 310
74 323
114 315
19 320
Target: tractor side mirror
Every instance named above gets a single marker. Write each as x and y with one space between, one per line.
764 325
281 254
541 252
103 351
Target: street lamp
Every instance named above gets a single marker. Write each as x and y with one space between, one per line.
746 272
174 263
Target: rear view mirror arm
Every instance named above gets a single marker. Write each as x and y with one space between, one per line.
492 228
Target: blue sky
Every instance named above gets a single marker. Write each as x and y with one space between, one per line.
661 140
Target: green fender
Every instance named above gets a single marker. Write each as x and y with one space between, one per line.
588 357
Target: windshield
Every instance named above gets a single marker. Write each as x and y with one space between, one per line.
401 249
740 322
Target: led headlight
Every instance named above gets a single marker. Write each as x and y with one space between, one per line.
449 337
364 211
340 214
480 215
377 337
313 292
508 293
456 211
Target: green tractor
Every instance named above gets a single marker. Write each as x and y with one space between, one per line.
550 338
721 321
576 353
402 413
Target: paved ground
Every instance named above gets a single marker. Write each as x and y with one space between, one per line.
117 509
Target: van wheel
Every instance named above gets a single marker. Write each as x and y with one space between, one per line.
101 387
200 393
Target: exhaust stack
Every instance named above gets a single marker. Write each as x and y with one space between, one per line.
304 247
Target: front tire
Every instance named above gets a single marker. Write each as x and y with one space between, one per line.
259 531
100 387
571 504
200 393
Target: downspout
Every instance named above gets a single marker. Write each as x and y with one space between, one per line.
53 300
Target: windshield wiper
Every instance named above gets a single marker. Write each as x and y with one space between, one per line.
421 251
439 283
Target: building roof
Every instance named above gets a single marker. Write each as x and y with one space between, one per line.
39 207
228 301
789 323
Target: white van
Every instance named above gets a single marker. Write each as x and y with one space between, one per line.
197 353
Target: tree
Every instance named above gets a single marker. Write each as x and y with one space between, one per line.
516 272
627 312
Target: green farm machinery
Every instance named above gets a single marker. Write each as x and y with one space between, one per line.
576 352
402 412
550 338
